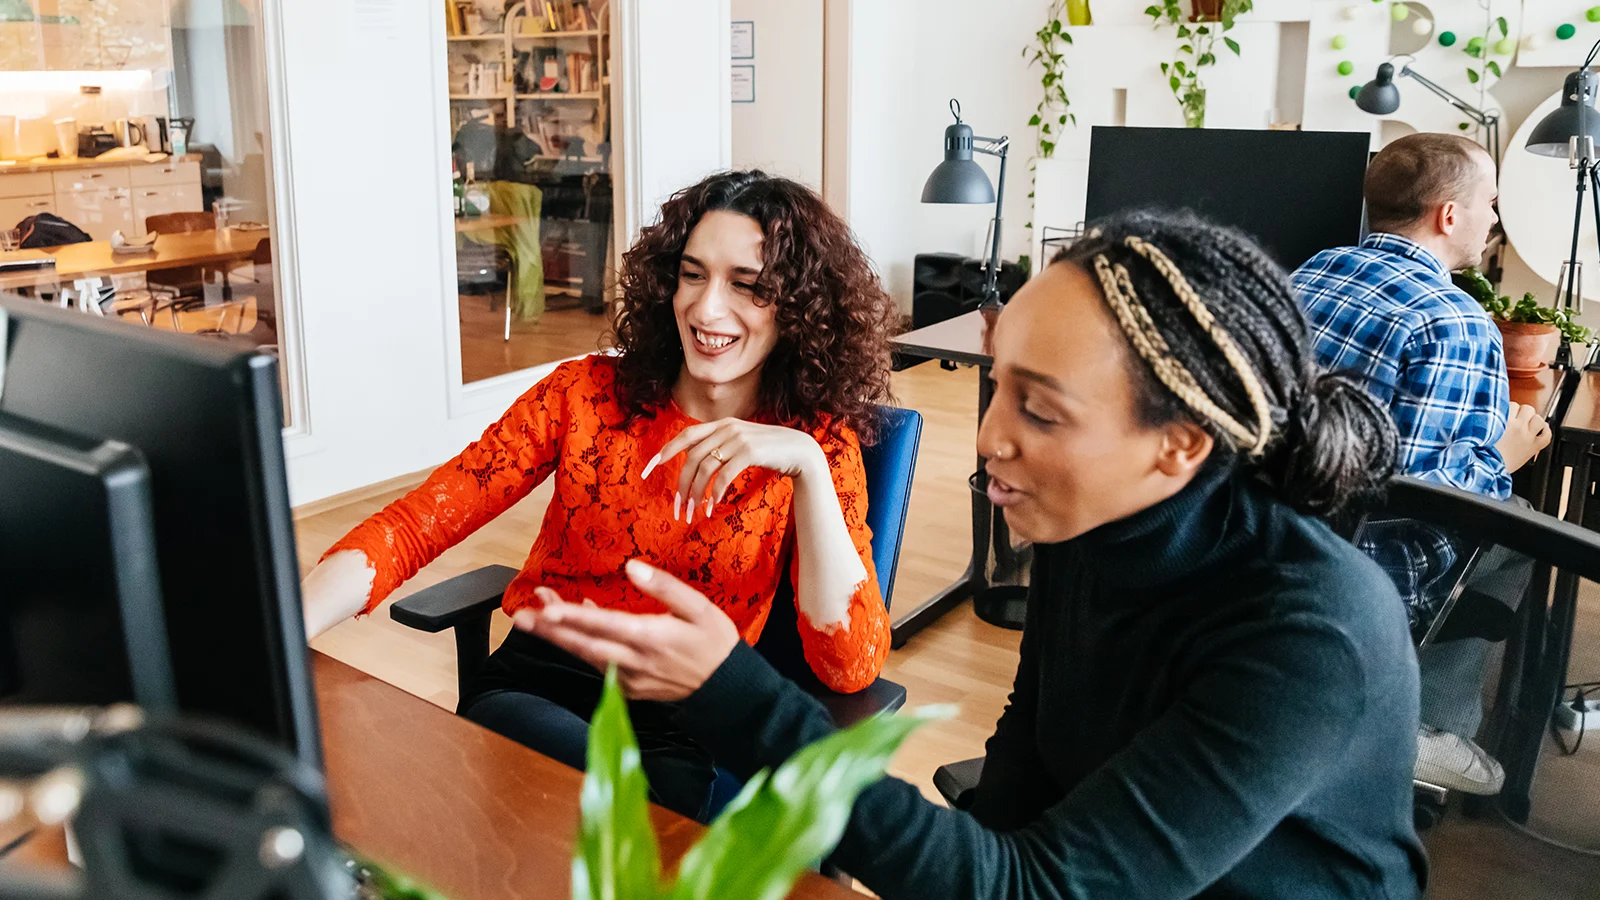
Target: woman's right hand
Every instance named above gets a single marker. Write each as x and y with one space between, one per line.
338 588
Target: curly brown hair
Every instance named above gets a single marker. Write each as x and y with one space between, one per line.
834 319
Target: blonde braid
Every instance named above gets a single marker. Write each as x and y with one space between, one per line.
1219 336
1154 349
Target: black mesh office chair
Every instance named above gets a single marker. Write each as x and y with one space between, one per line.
1532 674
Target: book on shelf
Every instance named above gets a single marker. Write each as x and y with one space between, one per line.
453 25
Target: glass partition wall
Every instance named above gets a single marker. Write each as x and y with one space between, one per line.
530 125
133 153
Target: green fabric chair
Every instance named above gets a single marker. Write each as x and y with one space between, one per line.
525 286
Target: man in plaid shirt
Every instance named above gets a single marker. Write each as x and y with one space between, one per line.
1387 310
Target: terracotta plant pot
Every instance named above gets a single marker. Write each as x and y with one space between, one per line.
1205 10
1529 347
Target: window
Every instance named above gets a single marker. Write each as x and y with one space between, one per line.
530 124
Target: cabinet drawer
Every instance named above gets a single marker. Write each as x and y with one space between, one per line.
14 209
169 172
155 201
96 179
27 184
98 212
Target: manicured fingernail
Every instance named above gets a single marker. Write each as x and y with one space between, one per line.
677 506
640 571
709 504
650 466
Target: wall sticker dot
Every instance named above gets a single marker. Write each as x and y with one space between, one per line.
1399 12
1566 32
1340 42
1593 14
1447 38
1475 44
1421 26
1346 67
1354 90
1505 46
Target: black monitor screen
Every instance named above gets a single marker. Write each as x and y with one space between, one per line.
1296 192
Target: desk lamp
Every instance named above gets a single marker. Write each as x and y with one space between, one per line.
1571 131
961 180
1381 97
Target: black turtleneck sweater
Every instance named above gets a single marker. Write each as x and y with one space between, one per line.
1216 697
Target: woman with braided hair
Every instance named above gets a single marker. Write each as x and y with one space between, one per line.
1217 696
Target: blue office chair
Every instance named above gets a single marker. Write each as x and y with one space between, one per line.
466 603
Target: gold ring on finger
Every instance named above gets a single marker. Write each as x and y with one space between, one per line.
717 455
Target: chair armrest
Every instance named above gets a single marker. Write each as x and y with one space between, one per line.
880 696
957 781
450 603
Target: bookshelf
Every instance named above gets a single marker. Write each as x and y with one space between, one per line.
547 75
517 57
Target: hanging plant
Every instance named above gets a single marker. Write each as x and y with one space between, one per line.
1054 112
1196 49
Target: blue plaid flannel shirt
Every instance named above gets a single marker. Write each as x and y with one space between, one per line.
1388 312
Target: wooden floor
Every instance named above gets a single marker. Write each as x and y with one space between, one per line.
565 330
964 661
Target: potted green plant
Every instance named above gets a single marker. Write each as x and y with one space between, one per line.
1196 48
1531 333
782 823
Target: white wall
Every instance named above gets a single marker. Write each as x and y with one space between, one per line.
367 247
781 132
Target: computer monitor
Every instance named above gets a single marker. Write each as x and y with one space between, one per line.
205 416
1296 192
80 601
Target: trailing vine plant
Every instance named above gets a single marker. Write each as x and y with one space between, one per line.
1480 48
1054 112
1196 50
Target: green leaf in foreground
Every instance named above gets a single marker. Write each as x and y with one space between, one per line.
617 857
786 821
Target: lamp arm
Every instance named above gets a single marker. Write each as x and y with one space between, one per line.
991 282
1472 112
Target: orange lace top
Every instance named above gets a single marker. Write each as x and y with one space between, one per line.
602 515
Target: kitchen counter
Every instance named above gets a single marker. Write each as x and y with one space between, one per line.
45 164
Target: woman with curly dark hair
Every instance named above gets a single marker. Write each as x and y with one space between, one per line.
721 442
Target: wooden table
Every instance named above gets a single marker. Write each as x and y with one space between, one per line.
451 804
172 251
1546 629
459 807
967 340
486 222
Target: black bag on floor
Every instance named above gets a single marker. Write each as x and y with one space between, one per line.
50 230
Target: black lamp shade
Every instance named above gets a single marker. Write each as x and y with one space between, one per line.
1379 96
958 179
1575 117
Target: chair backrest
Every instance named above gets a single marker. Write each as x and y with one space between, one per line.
180 222
1541 537
890 464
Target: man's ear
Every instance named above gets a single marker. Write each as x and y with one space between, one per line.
1447 217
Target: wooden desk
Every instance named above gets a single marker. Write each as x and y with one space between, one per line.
967 340
486 222
1542 391
1533 677
172 251
469 812
435 797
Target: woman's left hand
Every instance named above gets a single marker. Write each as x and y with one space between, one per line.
658 657
716 452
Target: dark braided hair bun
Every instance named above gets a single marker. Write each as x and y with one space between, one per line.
1224 313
